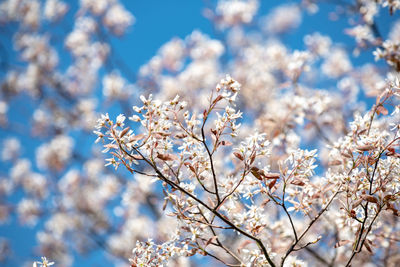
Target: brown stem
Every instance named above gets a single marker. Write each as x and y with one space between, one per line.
211 162
291 249
359 241
287 213
219 215
218 241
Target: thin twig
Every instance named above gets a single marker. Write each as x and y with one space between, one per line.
219 215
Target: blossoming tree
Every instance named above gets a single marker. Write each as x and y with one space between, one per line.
258 167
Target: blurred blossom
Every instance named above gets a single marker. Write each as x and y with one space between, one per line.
5 249
69 183
61 223
41 121
368 9
172 54
28 211
93 168
234 12
109 187
3 112
86 24
87 115
361 33
77 41
394 33
36 185
388 52
350 88
117 19
36 49
28 11
6 186
299 62
5 212
96 6
10 85
372 82
202 47
11 149
282 19
29 81
55 9
55 154
336 63
54 248
20 170
318 44
116 87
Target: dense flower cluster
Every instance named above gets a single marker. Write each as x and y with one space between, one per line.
210 195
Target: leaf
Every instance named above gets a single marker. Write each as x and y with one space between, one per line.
342 243
367 246
254 168
381 110
252 158
238 155
209 241
365 148
353 214
334 162
392 152
167 157
225 143
164 134
272 175
123 132
266 201
389 198
370 198
204 115
165 204
134 138
256 174
297 182
193 252
271 184
257 229
243 245
187 164
218 98
357 203
161 135
180 135
347 154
